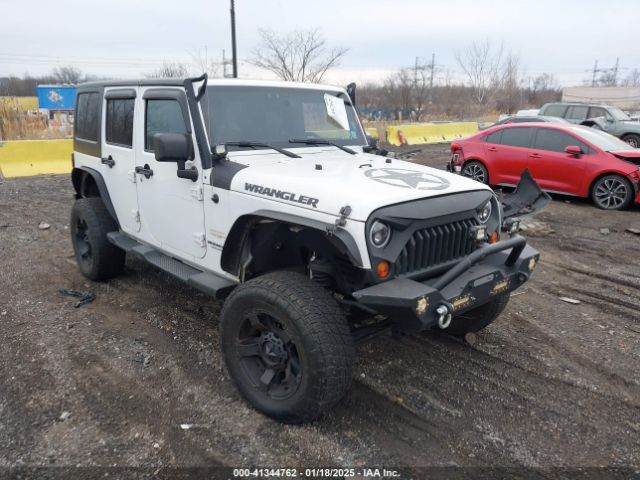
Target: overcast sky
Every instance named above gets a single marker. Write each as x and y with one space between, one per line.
126 38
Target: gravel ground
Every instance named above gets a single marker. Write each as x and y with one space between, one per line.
136 377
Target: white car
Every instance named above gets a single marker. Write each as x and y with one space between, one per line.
267 195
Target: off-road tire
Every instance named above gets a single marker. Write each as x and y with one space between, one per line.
632 139
617 183
311 317
478 318
90 223
476 171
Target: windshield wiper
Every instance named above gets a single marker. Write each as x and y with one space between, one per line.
321 141
255 145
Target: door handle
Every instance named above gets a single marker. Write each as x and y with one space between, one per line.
535 155
492 149
108 161
146 171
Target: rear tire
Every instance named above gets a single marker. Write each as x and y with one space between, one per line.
478 318
632 139
90 222
476 171
287 346
612 192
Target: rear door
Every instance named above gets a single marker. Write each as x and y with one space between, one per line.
118 157
171 208
507 154
551 166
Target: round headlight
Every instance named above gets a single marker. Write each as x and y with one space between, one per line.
380 234
484 212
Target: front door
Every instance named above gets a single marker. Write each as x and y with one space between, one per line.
171 208
118 157
551 166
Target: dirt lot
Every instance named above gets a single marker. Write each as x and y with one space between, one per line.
110 383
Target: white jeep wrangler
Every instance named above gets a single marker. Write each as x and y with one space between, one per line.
268 196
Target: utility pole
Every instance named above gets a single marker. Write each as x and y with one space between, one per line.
615 72
433 67
595 71
234 52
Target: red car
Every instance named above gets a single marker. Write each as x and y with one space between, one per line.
569 159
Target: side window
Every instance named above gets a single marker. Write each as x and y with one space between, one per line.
120 121
87 121
493 137
599 112
516 137
555 111
556 141
577 112
162 116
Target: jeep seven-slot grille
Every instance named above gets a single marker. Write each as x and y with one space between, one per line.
431 246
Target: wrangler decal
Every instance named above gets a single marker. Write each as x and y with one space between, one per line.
281 194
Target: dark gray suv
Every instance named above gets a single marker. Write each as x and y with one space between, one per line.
604 117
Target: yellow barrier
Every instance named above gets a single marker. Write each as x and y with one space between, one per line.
421 133
372 132
35 157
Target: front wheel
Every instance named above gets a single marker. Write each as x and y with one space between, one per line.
632 139
287 346
612 192
478 318
477 171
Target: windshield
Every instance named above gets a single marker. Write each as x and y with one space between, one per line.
601 139
618 114
274 115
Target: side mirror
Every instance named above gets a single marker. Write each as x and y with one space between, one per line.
574 150
351 91
175 147
172 147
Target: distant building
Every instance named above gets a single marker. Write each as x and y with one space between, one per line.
627 98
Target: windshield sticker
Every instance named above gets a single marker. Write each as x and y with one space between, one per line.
337 110
403 178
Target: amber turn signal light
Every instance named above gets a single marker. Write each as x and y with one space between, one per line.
382 270
495 236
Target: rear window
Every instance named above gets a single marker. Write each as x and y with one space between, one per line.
493 137
87 121
555 111
120 121
516 137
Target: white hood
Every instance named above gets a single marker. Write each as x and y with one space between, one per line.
327 179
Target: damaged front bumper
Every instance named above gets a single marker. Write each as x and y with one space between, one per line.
491 270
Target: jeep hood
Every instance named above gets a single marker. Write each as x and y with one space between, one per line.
326 180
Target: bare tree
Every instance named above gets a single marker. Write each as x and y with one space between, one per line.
68 74
169 70
202 62
509 96
298 56
633 79
481 64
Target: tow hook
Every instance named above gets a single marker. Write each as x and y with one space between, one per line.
444 316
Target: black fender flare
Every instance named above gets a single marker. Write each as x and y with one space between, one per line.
79 178
235 241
